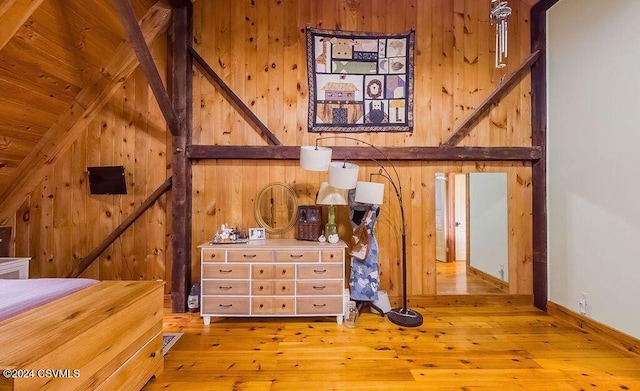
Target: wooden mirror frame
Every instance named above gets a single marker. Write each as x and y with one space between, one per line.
291 199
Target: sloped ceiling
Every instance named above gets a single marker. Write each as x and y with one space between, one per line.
55 56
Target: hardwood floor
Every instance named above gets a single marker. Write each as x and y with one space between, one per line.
453 279
504 347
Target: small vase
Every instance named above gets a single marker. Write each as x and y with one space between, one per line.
351 317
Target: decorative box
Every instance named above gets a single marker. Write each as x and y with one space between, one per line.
309 222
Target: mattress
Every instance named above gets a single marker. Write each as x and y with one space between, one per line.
20 295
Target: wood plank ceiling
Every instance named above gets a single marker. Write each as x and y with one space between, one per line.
56 60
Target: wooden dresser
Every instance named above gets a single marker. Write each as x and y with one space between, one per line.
273 277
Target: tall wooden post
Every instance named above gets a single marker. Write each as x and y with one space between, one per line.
181 96
539 139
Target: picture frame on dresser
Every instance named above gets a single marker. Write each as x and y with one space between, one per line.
257 234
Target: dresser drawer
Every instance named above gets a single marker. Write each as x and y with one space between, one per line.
272 288
225 305
319 305
283 272
296 256
223 270
273 306
317 271
212 255
320 287
250 256
225 287
331 256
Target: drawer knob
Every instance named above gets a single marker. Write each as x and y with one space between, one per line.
331 256
284 306
249 255
261 271
295 255
261 305
284 288
261 287
284 271
213 255
319 271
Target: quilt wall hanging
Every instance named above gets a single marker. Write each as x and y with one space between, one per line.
360 82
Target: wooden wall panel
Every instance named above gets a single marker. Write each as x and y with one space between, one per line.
258 48
224 201
61 222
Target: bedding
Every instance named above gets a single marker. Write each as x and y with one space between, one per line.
21 295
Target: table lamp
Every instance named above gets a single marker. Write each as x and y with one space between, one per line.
331 196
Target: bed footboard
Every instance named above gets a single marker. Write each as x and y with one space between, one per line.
107 336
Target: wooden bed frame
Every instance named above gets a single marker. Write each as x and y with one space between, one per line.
107 336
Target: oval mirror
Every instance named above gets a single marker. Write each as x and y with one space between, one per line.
276 208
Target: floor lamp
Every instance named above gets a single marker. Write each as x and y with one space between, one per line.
344 175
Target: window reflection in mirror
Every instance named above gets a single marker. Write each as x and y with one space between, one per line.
471 233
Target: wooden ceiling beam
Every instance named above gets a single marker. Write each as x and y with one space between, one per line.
443 153
95 93
140 47
13 14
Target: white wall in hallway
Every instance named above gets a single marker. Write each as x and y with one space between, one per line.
593 160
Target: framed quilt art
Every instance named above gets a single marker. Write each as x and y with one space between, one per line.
360 82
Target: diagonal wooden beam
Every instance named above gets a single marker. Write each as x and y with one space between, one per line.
95 93
137 41
463 130
93 255
13 14
216 80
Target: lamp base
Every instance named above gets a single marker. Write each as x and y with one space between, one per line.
405 317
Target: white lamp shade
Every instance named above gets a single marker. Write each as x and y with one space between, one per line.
315 158
329 195
343 175
370 193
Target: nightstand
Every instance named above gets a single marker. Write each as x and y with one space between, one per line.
14 268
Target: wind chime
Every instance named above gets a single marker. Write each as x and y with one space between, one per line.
500 11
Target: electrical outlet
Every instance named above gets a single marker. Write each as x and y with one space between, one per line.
582 303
